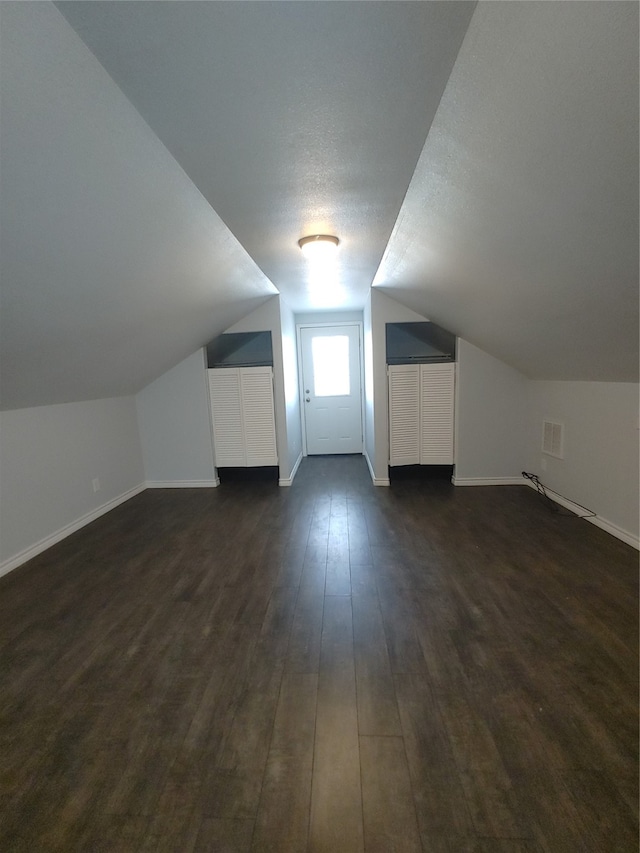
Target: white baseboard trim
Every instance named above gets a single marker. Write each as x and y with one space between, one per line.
288 481
602 523
33 550
488 481
182 484
377 481
616 531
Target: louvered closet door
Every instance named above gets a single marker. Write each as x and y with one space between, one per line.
226 417
242 414
404 414
437 382
258 416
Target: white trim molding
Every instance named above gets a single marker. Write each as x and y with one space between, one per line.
288 481
328 325
377 481
182 484
602 523
614 530
33 550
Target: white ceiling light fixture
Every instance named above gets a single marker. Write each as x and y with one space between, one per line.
319 247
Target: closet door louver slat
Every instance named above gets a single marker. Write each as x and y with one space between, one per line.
259 426
404 415
421 412
242 414
226 416
437 403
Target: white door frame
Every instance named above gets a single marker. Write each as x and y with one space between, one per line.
326 325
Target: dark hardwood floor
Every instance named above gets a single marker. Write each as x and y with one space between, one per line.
330 667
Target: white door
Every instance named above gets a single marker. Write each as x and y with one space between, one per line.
331 389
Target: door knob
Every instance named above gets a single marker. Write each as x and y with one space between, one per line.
308 399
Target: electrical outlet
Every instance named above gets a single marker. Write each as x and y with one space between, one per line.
96 484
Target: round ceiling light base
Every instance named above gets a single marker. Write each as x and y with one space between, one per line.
318 245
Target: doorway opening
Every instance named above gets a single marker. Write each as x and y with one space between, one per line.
331 388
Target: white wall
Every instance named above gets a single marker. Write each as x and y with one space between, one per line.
600 465
369 402
49 456
175 431
318 317
173 411
291 391
491 401
107 245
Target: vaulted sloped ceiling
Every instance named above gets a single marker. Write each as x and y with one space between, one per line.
520 228
159 162
113 265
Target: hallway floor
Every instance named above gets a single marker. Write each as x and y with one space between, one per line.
330 667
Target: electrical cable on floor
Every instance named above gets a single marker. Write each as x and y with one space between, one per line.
553 506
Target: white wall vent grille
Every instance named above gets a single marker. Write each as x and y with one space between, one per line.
553 439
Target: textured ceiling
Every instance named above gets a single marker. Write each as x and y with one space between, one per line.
291 118
520 228
161 160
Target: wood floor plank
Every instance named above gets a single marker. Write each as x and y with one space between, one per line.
577 810
359 547
387 803
233 786
336 798
219 669
218 835
474 844
398 615
282 821
485 780
152 748
377 704
338 539
168 832
314 570
440 801
338 577
109 834
303 653
363 579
